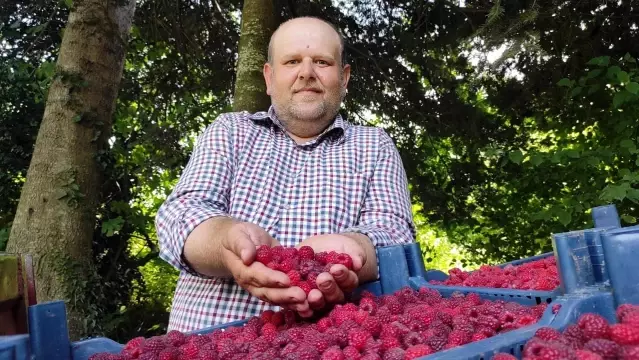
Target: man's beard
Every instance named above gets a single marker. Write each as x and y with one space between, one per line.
326 109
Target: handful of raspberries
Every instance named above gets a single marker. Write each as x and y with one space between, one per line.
301 266
591 338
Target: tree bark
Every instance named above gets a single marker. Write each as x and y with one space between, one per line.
258 23
56 215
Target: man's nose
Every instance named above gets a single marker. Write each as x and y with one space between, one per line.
306 70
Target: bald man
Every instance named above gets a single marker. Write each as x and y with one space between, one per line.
293 175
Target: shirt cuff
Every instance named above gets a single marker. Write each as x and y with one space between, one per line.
378 236
186 224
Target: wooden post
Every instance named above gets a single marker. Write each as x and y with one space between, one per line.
17 293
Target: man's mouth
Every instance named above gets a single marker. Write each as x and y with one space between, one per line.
313 90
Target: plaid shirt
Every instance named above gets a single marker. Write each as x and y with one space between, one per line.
349 179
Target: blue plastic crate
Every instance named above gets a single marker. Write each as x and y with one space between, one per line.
49 332
14 347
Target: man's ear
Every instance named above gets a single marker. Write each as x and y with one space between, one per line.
347 75
268 71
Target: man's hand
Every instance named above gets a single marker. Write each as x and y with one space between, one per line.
333 284
238 255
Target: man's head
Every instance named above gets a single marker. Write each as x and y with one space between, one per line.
305 75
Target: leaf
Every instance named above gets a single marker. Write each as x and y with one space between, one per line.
633 88
111 226
619 98
16 24
612 71
627 144
565 82
564 216
69 3
516 156
576 91
600 61
77 118
536 159
38 28
594 73
623 77
633 195
572 153
629 58
629 219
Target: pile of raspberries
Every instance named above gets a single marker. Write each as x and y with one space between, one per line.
591 338
405 325
536 275
302 266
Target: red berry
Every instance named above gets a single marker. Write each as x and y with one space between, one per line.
503 356
358 338
295 277
334 353
624 334
548 334
417 351
306 253
587 355
189 349
593 326
306 286
394 354
287 265
169 354
345 260
264 254
605 348
629 353
176 338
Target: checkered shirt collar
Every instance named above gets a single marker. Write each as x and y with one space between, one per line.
335 131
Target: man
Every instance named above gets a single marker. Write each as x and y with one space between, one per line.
295 175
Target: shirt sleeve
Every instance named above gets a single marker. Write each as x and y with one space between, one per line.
387 217
201 193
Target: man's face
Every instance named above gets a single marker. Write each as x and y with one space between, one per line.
306 80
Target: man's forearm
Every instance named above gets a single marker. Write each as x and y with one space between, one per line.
369 270
203 248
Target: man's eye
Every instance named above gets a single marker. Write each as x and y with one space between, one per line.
322 62
292 62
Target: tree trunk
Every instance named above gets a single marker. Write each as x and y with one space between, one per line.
56 215
258 23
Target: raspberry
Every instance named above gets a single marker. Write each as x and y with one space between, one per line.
417 351
629 353
624 309
273 265
321 343
478 337
103 356
322 257
547 334
593 326
306 253
351 353
389 342
587 355
189 349
503 356
394 354
176 338
207 355
372 325
294 276
412 339
624 334
334 353
169 354
437 342
264 254
538 349
631 318
153 344
306 286
394 306
457 337
605 348
574 336
345 260
368 305
287 265
358 338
